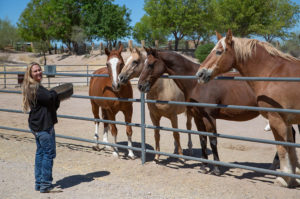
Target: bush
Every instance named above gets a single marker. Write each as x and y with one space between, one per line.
203 50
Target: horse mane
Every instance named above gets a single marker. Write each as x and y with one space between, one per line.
244 48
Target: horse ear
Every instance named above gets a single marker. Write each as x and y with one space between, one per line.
228 39
130 49
219 36
107 51
147 50
120 48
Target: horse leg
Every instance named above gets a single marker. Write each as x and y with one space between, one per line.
174 121
276 163
114 132
189 127
210 124
106 127
203 140
128 117
156 122
95 110
287 155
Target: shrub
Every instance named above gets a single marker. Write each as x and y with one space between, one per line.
203 50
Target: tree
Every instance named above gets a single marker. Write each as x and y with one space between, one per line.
34 25
144 30
292 45
8 34
268 18
175 16
283 16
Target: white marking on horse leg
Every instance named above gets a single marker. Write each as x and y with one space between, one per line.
130 152
116 151
286 167
96 136
105 137
113 63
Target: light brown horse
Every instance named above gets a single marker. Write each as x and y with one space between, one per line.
259 59
110 87
163 89
216 92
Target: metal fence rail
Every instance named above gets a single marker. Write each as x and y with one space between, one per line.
143 126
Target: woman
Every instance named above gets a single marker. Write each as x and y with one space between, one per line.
42 117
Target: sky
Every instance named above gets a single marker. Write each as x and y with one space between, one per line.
12 9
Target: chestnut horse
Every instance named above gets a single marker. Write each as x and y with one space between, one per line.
164 90
224 92
110 87
259 59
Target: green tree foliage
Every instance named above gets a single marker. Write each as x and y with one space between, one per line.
268 18
292 45
144 30
8 34
203 50
67 20
283 15
175 16
34 25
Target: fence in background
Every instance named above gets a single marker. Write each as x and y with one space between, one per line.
143 125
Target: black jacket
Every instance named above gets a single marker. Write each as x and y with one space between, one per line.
43 113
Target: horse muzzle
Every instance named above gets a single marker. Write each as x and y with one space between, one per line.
123 78
203 75
116 87
144 87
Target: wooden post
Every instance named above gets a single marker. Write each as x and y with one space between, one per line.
93 47
156 43
101 48
143 43
170 45
186 45
130 46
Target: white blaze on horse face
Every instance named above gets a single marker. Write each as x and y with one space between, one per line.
146 61
113 63
128 60
222 42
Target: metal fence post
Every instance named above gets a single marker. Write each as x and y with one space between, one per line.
4 76
143 126
87 77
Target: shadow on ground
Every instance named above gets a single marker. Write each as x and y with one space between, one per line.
74 180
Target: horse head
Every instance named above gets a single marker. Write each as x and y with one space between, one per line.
114 65
220 60
153 69
133 66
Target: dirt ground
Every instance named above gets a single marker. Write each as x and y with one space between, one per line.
84 173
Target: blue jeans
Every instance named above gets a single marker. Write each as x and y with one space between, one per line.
45 153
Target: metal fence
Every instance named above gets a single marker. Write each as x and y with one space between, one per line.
13 75
143 125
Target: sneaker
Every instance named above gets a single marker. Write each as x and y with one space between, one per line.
51 190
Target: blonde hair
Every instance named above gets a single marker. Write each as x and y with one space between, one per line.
29 88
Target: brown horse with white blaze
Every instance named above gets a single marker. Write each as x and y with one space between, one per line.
254 58
110 87
164 90
224 92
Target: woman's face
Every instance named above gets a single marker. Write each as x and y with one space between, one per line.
36 73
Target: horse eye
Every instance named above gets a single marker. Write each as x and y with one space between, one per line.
218 52
135 62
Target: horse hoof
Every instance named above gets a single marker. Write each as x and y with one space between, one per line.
283 183
115 154
216 171
156 161
204 169
132 156
96 148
